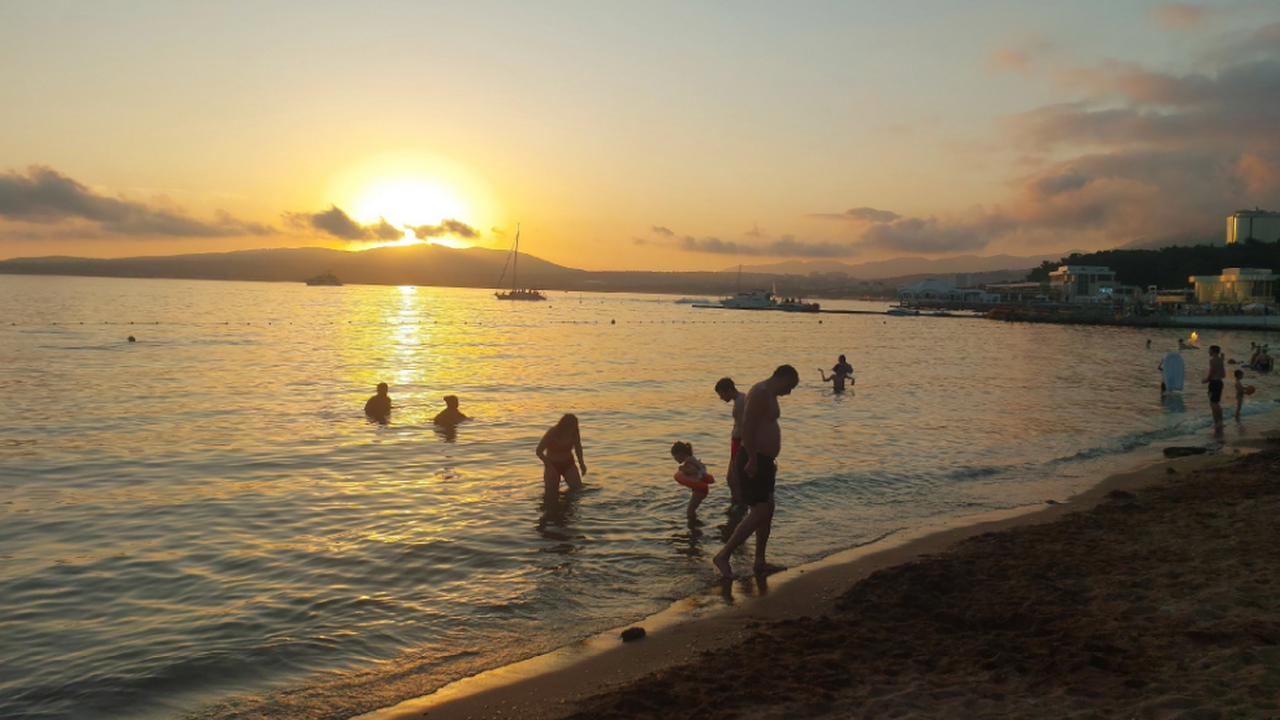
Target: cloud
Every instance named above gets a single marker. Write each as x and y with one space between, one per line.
334 221
497 231
1025 52
1260 175
1234 106
785 246
860 214
1178 16
666 232
43 195
937 236
446 227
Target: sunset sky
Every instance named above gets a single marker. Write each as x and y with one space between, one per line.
656 135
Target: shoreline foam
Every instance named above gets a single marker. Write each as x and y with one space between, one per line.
549 686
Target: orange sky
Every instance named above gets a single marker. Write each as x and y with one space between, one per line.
668 136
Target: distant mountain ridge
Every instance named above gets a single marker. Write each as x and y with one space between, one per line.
435 265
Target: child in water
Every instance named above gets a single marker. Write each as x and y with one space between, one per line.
692 468
1239 393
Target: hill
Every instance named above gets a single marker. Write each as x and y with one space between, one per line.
1169 267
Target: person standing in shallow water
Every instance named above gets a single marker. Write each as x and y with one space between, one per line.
1217 373
378 407
839 373
758 468
556 451
729 392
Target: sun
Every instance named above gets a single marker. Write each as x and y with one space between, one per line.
409 201
410 187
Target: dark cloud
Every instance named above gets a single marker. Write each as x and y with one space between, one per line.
446 227
860 214
1235 105
334 221
935 236
497 231
43 195
666 232
785 246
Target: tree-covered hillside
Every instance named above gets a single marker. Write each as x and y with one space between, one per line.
1170 267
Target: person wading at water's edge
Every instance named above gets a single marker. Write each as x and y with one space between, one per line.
757 467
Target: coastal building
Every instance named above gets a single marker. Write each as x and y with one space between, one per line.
1017 292
1071 281
1253 225
1236 285
927 290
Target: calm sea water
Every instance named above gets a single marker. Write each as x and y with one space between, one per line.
202 522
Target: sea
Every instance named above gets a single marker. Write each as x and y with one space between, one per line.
203 524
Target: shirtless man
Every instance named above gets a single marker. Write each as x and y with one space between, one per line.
841 372
1217 373
450 415
757 467
378 407
729 392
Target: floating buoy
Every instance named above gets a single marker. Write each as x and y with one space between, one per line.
133 339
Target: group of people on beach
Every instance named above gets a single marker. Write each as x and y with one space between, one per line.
754 446
1215 379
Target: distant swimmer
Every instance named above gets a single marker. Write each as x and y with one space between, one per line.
758 468
729 392
839 373
450 415
379 406
556 450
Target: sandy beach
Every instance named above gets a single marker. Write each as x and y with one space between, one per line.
1153 595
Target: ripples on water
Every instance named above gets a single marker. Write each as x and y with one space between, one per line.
198 520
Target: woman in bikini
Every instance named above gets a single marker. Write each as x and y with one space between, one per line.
556 452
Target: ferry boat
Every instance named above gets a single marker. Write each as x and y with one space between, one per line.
325 278
752 300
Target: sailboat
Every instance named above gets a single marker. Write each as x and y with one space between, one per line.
515 293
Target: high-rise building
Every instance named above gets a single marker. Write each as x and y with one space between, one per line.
1253 224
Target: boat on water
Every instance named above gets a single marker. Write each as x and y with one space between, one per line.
516 292
767 300
797 305
751 300
692 301
902 312
325 278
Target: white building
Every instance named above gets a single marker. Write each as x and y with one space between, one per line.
1253 224
1236 285
1072 281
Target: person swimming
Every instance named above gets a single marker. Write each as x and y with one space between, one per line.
379 406
556 451
450 415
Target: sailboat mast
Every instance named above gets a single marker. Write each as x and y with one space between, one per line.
515 268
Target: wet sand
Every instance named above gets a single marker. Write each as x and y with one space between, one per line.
1153 595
